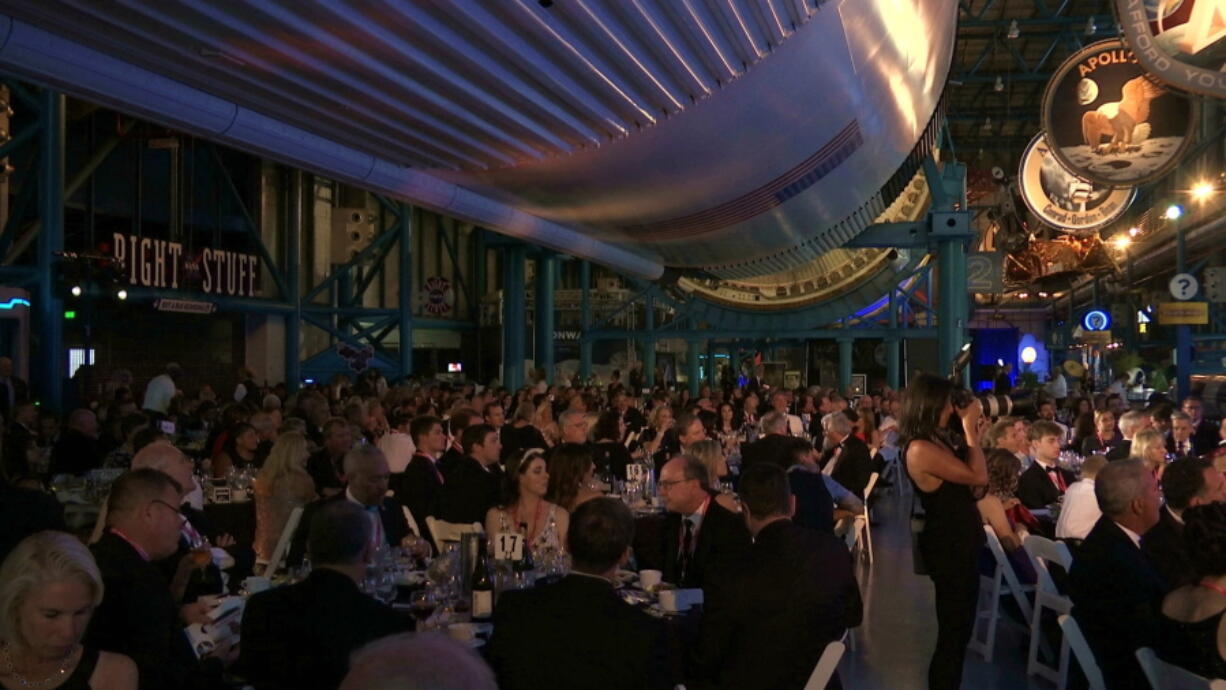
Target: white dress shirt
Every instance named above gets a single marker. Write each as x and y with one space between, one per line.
796 426
1079 511
159 393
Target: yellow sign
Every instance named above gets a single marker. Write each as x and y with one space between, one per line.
1183 313
1096 337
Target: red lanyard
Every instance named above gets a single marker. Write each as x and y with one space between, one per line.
1216 588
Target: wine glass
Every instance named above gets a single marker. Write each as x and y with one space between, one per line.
421 605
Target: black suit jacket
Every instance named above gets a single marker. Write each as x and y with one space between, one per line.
325 470
419 488
576 633
300 637
814 504
1035 488
854 467
24 512
469 492
611 456
767 622
391 514
722 540
773 448
1206 437
448 459
634 419
1121 451
1180 455
1116 595
139 617
75 453
1164 547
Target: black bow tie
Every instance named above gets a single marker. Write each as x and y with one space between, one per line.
1053 468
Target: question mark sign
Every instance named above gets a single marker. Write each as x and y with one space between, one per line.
1184 285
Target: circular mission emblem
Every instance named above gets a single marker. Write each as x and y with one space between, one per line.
1061 199
1108 122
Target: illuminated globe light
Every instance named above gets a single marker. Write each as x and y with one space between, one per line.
1173 212
1202 191
76 291
1121 242
1029 355
1134 231
122 294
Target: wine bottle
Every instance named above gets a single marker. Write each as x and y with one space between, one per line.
524 564
482 585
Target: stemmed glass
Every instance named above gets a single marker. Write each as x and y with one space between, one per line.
421 606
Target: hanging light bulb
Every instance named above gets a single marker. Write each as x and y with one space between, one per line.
1014 30
76 290
1000 84
1091 27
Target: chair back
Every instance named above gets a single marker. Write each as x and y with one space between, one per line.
282 549
1016 588
1167 676
1043 551
826 665
868 488
1081 650
443 531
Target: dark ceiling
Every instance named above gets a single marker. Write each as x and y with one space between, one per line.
997 82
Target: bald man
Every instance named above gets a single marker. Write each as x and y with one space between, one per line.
366 478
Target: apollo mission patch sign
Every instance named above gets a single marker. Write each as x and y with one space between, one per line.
1061 199
1180 42
1108 122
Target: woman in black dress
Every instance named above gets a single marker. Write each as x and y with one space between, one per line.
49 587
609 454
949 475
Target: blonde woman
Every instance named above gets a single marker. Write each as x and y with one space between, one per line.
282 485
712 456
545 423
1149 446
49 588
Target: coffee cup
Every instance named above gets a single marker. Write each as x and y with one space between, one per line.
461 631
650 578
255 584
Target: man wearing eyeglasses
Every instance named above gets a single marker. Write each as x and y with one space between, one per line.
138 616
700 535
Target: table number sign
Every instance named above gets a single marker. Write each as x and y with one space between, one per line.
508 546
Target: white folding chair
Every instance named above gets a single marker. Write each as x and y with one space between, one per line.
987 615
1043 551
859 534
825 666
891 470
1081 650
450 531
282 549
1166 676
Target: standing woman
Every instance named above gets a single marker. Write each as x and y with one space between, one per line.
946 481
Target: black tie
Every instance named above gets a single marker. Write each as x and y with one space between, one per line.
683 558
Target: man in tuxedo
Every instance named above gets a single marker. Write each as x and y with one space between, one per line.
324 465
1180 443
853 464
1185 483
756 383
1204 432
367 480
760 628
421 484
1115 591
138 616
690 430
700 536
594 639
630 415
1044 482
774 446
301 635
454 452
77 452
13 389
474 483
1130 423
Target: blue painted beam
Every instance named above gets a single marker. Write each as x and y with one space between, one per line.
514 318
777 334
293 279
50 308
405 290
585 316
546 279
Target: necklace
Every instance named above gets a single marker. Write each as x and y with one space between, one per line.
10 669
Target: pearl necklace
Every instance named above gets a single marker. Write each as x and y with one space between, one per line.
10 669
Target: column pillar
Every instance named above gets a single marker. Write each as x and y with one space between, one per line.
712 373
405 289
845 350
692 361
513 317
293 279
953 304
1183 334
50 308
585 316
546 280
649 342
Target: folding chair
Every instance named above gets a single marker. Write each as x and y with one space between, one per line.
1043 551
1167 676
282 549
825 666
1081 650
859 534
983 640
450 531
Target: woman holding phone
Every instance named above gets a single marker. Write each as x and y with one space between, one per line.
949 476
